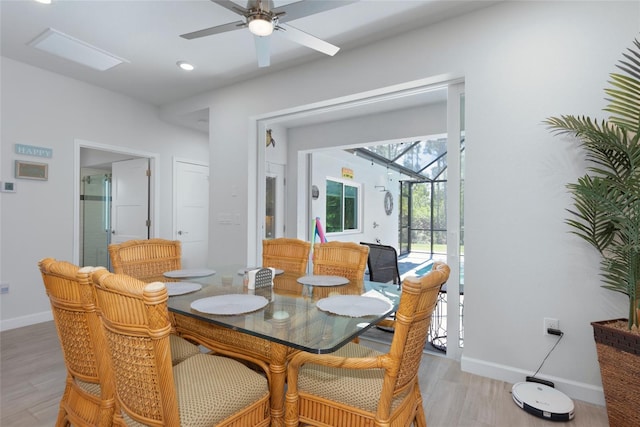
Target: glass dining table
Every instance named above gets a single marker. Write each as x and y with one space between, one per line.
295 317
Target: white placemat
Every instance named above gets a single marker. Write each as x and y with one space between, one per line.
180 288
354 305
190 272
230 304
319 280
242 271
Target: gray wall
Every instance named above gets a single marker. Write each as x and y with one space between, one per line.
47 110
522 62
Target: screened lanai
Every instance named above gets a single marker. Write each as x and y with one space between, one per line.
422 213
422 217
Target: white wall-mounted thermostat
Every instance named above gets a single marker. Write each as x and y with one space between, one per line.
7 187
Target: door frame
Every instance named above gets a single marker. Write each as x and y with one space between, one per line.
300 160
153 185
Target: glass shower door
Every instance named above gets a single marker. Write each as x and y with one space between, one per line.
95 199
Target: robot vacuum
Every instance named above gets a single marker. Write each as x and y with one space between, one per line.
543 401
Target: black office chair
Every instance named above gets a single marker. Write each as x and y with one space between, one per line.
383 267
383 263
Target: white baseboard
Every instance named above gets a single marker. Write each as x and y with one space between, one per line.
32 319
575 390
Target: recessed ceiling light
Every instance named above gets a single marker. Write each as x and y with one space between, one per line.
185 65
44 1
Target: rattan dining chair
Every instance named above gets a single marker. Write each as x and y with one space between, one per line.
346 259
291 255
357 386
146 260
203 390
88 398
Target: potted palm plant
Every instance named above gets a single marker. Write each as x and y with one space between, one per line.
606 214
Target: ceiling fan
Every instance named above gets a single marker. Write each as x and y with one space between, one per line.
262 18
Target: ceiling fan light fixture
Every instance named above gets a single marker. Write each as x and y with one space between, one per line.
260 24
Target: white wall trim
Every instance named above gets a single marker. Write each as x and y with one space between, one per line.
574 389
155 184
31 319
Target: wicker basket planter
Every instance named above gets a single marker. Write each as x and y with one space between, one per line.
619 358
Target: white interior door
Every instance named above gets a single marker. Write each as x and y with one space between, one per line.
130 200
191 227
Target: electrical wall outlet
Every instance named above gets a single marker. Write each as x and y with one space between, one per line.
550 323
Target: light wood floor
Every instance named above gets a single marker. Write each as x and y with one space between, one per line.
32 375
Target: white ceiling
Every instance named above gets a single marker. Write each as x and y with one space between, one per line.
147 33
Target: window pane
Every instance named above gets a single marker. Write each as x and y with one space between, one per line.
440 242
334 206
439 205
420 241
350 208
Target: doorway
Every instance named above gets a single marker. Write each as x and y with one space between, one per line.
394 99
274 201
91 156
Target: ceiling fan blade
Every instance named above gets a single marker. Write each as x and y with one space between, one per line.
306 39
263 51
307 7
214 30
233 7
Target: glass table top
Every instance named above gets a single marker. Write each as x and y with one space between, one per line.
290 316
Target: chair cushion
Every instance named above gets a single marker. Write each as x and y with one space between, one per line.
181 349
354 387
91 388
213 388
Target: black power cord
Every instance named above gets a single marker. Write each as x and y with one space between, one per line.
533 378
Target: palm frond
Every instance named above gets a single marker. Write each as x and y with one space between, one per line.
606 200
632 68
624 104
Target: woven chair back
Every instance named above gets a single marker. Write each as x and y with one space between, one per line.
135 319
417 302
291 255
89 396
346 259
146 260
